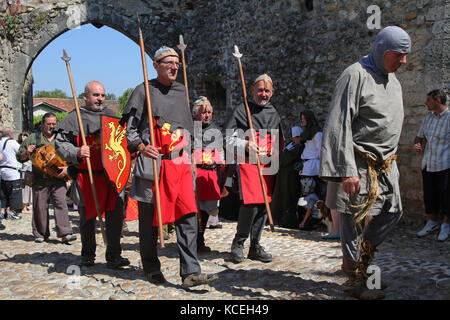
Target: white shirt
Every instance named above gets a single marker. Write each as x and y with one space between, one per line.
10 160
311 156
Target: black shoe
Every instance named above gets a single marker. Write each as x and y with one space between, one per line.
87 262
197 280
257 253
67 239
202 248
2 226
156 278
13 216
118 263
217 226
237 254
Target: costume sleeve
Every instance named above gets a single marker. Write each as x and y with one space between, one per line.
23 146
65 146
337 151
133 136
234 138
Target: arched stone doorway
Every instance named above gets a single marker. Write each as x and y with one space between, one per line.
41 23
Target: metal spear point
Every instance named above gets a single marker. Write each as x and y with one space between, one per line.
236 53
65 57
181 46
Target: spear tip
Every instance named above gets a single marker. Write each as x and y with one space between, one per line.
138 19
182 45
65 57
236 53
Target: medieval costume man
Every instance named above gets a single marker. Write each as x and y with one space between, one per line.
173 125
360 141
69 146
267 126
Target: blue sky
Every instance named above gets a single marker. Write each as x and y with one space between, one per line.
104 54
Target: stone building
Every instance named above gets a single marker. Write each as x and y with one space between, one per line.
302 44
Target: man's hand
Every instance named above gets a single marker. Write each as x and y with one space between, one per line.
63 173
251 147
31 148
351 185
149 151
419 143
418 147
26 154
84 152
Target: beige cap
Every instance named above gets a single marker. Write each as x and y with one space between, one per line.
165 52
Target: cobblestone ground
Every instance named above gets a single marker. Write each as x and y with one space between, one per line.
304 267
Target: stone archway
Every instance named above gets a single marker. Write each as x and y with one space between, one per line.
41 23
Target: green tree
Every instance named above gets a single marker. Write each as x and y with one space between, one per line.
51 94
123 99
110 96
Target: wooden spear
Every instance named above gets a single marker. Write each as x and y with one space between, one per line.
238 56
66 58
152 135
182 46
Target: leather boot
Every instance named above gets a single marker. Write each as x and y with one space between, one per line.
349 268
257 252
356 284
361 291
237 252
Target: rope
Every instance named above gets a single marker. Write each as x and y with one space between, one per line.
358 217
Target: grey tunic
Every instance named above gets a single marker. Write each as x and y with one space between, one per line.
366 115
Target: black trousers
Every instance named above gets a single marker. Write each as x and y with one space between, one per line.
436 191
113 230
186 229
201 235
251 221
12 195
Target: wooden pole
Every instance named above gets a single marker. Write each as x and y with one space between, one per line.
182 46
66 58
238 55
152 135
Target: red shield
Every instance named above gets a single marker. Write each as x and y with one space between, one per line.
115 156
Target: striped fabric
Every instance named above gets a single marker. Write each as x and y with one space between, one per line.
436 130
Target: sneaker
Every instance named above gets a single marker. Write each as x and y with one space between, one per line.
156 278
118 263
2 226
257 252
237 254
67 239
429 228
14 216
197 280
39 240
217 226
444 233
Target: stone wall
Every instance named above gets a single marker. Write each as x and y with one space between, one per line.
303 45
305 50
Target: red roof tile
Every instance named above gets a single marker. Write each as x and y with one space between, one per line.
68 104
